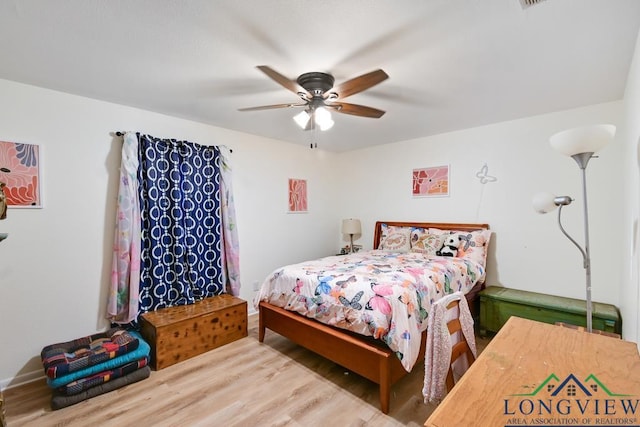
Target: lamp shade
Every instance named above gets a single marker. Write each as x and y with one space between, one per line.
351 226
544 203
323 119
302 118
585 139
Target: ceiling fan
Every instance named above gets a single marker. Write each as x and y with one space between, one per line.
319 94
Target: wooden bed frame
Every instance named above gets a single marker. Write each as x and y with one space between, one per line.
363 355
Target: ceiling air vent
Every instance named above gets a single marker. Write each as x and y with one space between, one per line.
528 3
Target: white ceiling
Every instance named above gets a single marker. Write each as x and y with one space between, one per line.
452 64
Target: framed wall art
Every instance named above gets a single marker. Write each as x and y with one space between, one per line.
431 182
298 195
20 172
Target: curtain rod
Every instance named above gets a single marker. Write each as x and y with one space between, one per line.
120 133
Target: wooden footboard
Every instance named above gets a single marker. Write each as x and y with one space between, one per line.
363 355
366 357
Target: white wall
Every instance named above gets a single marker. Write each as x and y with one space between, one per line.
527 250
630 137
54 267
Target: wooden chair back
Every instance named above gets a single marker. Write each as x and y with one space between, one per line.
460 348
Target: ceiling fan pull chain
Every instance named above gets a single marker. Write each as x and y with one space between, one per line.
314 135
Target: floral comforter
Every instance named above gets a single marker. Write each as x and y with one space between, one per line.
386 295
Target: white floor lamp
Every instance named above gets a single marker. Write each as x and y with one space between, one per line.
580 144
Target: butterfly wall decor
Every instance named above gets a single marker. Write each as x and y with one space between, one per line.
483 175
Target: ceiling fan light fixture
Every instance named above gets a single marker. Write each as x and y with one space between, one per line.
323 119
318 91
302 118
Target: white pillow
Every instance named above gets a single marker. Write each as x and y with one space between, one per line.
395 239
424 242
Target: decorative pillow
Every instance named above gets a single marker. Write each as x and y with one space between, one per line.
473 244
395 239
424 242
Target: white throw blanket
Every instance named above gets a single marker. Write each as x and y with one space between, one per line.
439 344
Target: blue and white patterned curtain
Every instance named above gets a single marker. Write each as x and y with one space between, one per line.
180 208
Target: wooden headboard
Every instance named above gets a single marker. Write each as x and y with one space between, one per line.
377 234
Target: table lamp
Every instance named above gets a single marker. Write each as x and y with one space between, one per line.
351 226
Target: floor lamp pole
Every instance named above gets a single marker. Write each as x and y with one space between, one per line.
582 159
587 257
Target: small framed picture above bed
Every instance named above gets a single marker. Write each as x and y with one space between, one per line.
298 202
20 174
431 182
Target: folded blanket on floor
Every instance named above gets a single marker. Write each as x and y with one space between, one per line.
140 352
75 387
63 358
59 401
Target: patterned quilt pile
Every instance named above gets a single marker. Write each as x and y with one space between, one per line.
86 367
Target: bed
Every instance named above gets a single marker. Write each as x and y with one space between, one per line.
368 311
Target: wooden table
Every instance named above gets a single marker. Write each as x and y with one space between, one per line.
534 373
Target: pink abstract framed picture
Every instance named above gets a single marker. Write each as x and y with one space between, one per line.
431 182
297 195
20 172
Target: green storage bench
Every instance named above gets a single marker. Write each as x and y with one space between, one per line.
498 304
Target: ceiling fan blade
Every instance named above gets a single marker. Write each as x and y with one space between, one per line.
358 84
282 80
271 107
356 110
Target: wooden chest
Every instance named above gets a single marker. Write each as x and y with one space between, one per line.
181 332
498 304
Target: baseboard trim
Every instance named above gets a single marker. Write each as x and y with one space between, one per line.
19 380
29 377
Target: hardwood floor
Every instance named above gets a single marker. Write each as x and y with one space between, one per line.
244 383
